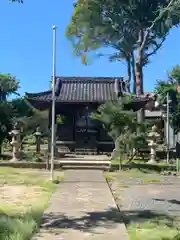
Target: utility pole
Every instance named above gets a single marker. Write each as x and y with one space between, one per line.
167 126
53 105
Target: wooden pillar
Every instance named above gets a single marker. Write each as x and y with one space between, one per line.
74 126
50 117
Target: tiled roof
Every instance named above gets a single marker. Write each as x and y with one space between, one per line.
83 89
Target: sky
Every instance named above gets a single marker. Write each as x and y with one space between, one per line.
26 47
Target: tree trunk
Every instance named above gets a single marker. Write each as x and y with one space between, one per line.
128 59
139 74
133 72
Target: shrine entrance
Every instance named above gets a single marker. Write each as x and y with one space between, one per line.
86 130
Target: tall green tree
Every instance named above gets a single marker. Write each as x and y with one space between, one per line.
141 26
170 86
8 85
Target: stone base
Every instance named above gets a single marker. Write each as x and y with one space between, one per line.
152 161
114 154
14 160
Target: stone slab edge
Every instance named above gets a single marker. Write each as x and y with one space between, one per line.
113 167
118 209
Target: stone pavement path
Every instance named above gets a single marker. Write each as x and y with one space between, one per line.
82 208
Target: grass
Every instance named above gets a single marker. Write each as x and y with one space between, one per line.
139 161
110 176
151 180
130 173
116 161
24 196
151 230
137 172
133 173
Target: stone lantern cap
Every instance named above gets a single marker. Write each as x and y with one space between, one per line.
38 132
153 132
15 130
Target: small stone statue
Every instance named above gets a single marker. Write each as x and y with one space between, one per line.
38 139
153 136
16 142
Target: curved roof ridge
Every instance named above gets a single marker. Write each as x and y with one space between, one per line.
30 95
88 79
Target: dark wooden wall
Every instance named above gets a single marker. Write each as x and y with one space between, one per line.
81 129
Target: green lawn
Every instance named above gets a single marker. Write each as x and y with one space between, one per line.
152 230
140 161
24 196
144 174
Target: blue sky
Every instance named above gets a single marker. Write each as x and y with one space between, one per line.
26 47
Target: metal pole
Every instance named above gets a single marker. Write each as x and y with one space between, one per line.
53 105
167 126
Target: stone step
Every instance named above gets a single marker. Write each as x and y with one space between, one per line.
79 167
85 151
84 162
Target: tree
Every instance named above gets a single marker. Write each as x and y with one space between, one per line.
121 125
16 110
8 85
169 86
126 53
28 117
18 1
19 110
140 26
37 118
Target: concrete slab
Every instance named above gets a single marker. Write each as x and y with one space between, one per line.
82 208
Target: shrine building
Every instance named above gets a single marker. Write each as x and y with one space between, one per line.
76 99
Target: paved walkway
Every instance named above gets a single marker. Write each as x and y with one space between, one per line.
82 208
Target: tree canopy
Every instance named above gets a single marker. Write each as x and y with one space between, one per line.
17 110
123 26
18 1
169 86
8 85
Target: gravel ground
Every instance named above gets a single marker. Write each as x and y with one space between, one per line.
139 200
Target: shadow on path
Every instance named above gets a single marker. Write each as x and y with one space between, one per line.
107 219
172 201
87 221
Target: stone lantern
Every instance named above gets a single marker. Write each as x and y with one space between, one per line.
152 139
38 139
16 142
